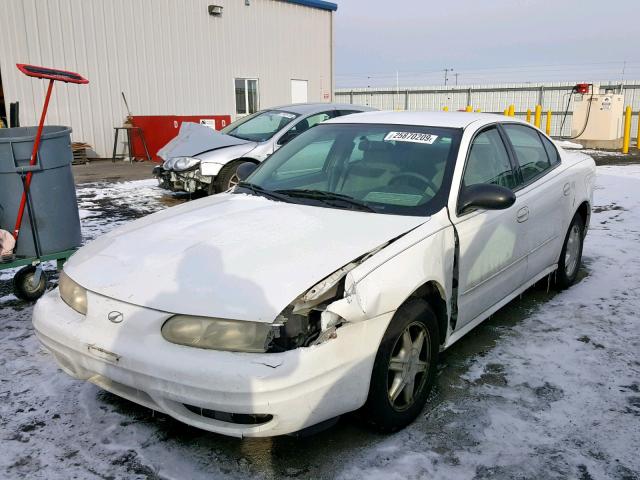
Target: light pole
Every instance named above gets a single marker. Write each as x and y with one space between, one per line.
446 75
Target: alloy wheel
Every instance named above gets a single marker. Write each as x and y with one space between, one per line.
572 252
408 366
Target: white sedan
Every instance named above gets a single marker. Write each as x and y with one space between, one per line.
330 279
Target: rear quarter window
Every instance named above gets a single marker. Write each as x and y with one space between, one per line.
552 151
530 152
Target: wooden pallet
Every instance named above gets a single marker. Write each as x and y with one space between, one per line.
79 150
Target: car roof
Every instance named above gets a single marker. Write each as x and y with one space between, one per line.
432 119
308 108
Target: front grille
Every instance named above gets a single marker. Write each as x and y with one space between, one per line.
237 418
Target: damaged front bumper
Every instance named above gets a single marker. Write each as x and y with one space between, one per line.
189 181
237 394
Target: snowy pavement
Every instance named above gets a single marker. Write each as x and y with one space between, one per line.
548 388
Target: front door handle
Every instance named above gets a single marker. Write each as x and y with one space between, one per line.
566 190
523 215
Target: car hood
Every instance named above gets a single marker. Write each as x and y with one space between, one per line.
233 256
194 138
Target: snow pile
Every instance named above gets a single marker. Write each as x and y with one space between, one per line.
569 145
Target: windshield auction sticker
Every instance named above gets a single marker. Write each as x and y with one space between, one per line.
414 137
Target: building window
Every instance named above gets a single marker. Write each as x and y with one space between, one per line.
246 95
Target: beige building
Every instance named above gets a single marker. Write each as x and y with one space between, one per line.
169 57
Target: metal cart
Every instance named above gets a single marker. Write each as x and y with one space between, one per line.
30 282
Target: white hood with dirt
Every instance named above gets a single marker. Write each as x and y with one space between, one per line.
234 256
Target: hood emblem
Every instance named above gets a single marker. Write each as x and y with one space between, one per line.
115 317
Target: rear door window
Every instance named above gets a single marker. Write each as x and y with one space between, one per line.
530 153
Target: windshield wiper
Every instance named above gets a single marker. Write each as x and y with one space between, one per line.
258 190
326 197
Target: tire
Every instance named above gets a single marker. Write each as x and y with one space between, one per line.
388 409
227 177
22 287
571 254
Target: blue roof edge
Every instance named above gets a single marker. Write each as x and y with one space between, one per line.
321 4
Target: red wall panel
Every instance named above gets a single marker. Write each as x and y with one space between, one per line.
160 129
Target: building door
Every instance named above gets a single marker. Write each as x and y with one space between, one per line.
299 91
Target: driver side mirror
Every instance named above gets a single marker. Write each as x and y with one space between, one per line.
486 196
245 169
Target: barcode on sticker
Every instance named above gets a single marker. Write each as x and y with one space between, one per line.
411 137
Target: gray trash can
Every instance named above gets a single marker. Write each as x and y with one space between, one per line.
52 192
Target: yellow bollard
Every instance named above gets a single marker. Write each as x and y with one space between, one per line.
445 109
528 115
506 112
469 108
538 117
627 130
512 110
548 129
638 135
478 110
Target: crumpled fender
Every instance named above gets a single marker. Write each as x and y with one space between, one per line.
387 279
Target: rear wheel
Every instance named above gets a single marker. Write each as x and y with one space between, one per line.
404 369
571 254
24 285
227 178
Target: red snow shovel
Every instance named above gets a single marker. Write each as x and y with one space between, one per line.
52 75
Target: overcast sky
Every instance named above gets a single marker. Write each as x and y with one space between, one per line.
485 41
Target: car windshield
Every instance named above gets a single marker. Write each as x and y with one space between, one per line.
396 169
260 126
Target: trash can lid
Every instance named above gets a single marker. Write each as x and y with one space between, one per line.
28 134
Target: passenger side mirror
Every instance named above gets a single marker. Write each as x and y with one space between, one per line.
487 196
245 169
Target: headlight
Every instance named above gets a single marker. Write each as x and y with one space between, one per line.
72 294
219 333
184 163
166 165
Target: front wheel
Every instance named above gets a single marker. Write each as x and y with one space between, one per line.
571 254
227 178
404 369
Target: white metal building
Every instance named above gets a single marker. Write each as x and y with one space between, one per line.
169 57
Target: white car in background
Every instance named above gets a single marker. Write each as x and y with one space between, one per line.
201 159
330 279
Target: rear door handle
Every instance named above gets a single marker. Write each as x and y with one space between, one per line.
566 190
523 214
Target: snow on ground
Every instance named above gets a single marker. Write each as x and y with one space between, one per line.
548 388
603 153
